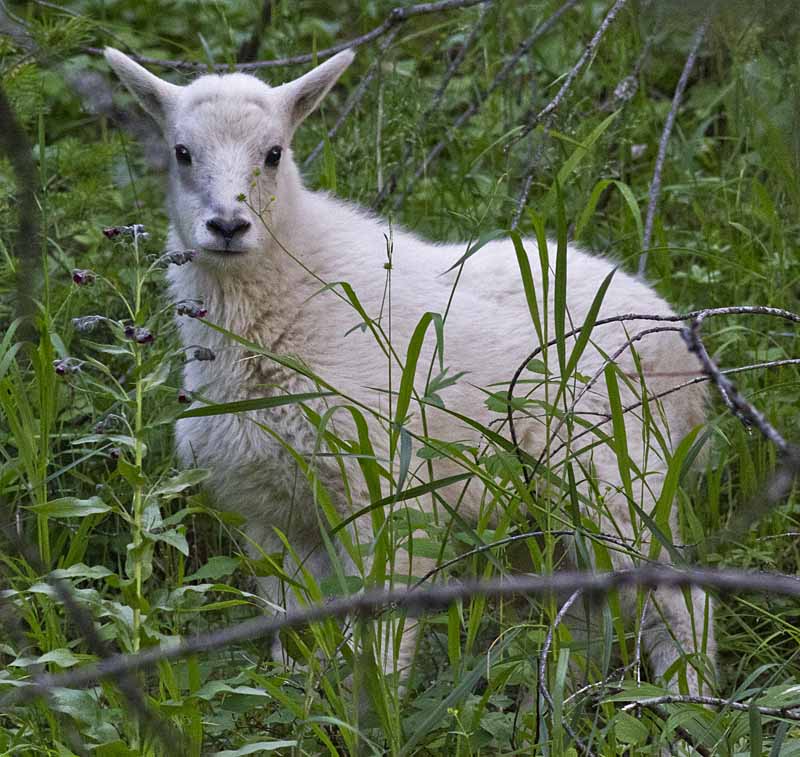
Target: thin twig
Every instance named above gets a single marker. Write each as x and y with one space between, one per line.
587 54
789 713
543 690
356 96
625 317
14 144
727 388
655 184
396 16
389 186
501 76
432 598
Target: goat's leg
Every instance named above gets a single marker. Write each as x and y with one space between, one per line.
676 625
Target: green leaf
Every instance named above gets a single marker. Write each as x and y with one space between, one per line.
260 746
630 730
482 241
257 403
62 657
216 567
79 570
71 507
131 473
409 372
184 480
174 538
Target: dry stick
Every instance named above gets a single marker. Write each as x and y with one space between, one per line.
546 112
789 713
396 16
728 389
390 185
655 184
678 387
433 598
14 144
356 96
588 53
545 692
501 76
624 317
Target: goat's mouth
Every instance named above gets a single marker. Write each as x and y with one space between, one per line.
224 252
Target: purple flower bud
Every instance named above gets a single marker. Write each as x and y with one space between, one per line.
134 230
178 257
183 397
115 453
87 322
138 334
192 308
203 353
82 276
67 365
143 336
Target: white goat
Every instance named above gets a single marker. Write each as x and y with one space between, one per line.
259 268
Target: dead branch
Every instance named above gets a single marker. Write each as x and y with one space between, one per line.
14 144
655 184
625 317
587 54
357 95
396 16
788 713
432 598
501 76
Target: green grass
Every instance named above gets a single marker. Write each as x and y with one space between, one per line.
151 559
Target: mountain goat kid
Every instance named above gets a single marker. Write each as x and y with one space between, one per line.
271 256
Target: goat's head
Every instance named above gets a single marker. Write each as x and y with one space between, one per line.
231 163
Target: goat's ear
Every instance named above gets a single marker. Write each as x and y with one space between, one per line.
305 93
155 95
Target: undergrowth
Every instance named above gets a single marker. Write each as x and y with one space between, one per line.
88 481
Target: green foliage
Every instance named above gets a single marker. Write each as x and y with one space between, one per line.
87 474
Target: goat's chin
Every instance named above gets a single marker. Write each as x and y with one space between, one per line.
224 258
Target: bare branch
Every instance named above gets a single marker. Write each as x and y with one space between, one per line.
14 144
655 184
625 317
788 713
727 388
433 598
543 690
356 96
396 16
501 76
587 54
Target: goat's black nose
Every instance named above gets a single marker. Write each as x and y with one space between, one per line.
227 229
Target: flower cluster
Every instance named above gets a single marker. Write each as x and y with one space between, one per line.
139 334
177 257
192 308
82 276
67 365
87 322
135 230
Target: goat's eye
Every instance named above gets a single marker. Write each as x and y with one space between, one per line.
273 156
182 154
